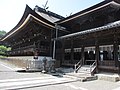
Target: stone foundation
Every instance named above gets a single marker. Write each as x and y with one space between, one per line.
109 77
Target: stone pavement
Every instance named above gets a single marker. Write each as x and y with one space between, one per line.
9 79
16 84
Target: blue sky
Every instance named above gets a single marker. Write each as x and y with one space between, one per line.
11 11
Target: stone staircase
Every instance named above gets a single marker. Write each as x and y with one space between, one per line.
84 69
80 76
83 74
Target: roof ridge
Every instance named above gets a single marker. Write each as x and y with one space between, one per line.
39 9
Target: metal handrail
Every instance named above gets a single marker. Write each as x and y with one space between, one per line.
77 66
94 65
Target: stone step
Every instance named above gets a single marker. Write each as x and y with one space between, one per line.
85 69
108 77
81 76
85 72
91 78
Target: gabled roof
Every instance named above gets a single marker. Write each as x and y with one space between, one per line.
50 16
102 28
28 15
48 19
90 10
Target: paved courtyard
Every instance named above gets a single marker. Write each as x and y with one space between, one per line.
10 79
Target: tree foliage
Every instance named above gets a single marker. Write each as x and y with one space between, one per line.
4 49
2 33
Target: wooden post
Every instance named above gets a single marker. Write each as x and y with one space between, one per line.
54 46
97 54
82 55
115 47
72 51
63 52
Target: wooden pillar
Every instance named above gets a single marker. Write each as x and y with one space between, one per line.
63 52
51 48
72 51
115 47
97 54
82 55
38 44
51 44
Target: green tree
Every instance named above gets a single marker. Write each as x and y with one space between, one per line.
4 49
2 33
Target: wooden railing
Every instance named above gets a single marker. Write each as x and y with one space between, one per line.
77 66
93 68
89 62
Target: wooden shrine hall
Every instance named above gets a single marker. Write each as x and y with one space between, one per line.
33 34
91 36
94 37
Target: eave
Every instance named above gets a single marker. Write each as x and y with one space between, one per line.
28 15
102 28
88 11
